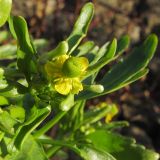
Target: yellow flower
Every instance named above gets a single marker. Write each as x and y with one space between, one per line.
112 113
65 73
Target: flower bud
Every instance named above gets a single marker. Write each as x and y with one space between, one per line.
75 66
95 88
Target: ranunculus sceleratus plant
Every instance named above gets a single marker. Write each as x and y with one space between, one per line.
57 84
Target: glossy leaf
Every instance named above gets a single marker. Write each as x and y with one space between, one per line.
100 53
137 76
76 115
80 27
84 48
21 30
61 49
31 150
8 51
30 125
17 113
112 125
108 55
11 26
6 122
132 64
90 153
84 151
3 101
122 45
120 147
96 114
26 52
5 8
132 79
127 68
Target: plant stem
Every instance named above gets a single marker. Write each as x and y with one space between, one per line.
57 143
49 124
52 151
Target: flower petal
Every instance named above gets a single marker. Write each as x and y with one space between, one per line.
84 63
52 69
63 86
76 86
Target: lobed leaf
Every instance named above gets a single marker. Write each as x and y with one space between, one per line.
96 114
100 53
26 52
122 45
84 48
6 122
31 150
81 26
127 70
120 147
61 49
91 153
108 53
30 125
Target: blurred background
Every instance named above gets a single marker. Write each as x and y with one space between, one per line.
139 103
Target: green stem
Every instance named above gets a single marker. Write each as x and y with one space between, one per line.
69 145
52 151
49 124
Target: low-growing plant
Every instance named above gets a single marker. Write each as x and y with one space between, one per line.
57 85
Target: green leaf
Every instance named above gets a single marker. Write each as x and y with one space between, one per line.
108 52
61 49
80 27
11 26
96 114
132 64
84 150
122 45
112 125
21 30
120 147
31 150
132 79
127 68
7 51
1 135
5 8
17 113
49 124
90 153
6 122
3 101
136 76
26 52
98 54
35 119
84 48
76 115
